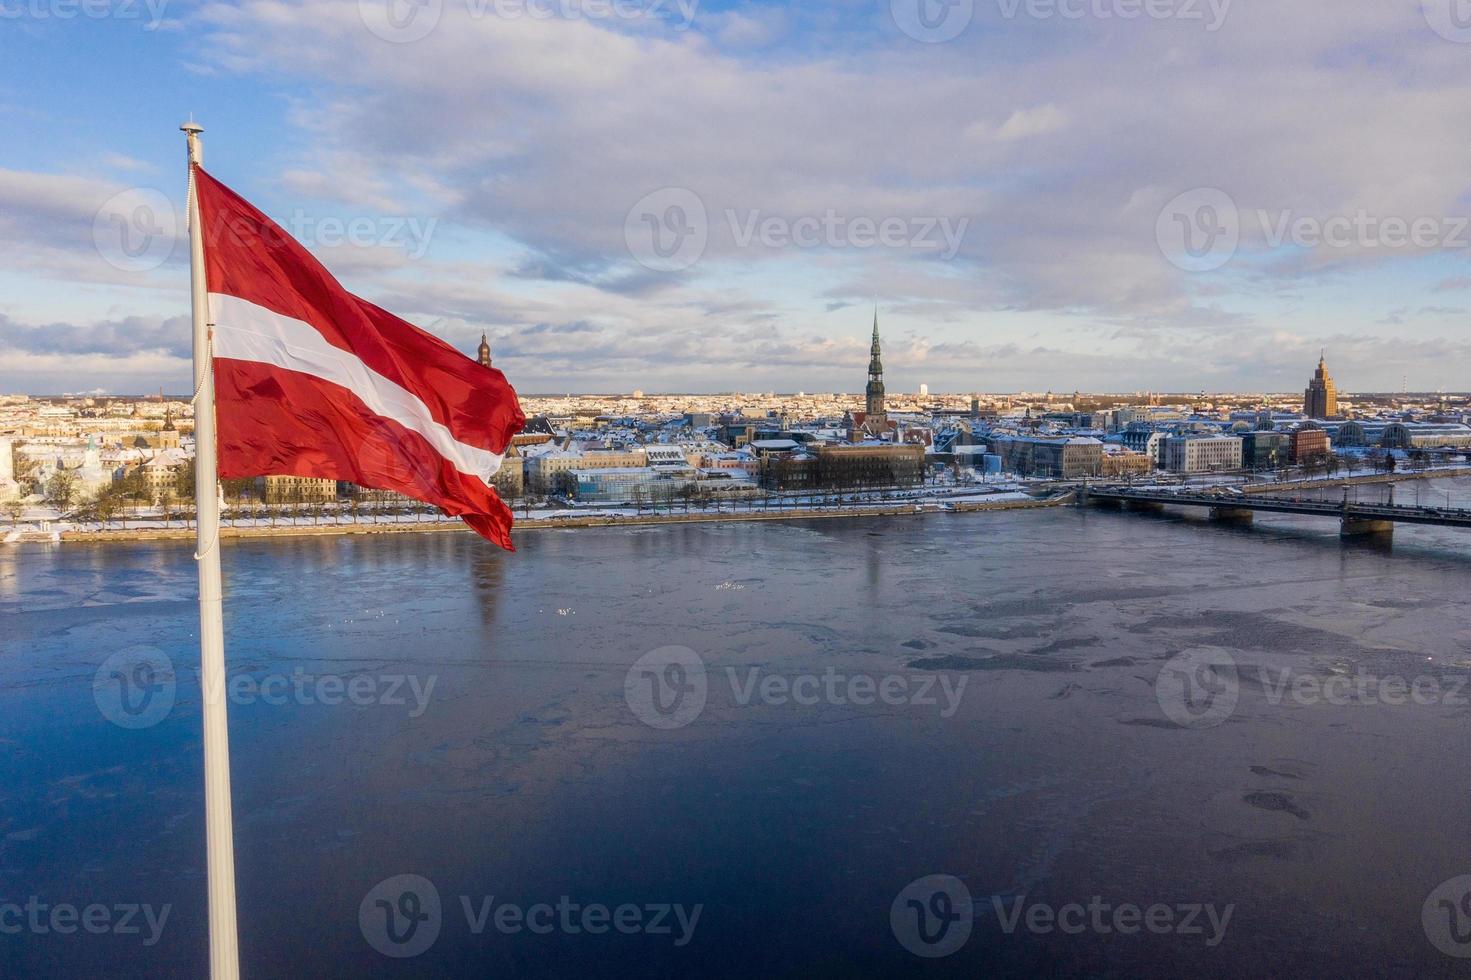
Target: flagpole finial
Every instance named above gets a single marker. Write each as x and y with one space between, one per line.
191 130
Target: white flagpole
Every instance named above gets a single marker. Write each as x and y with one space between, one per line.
224 950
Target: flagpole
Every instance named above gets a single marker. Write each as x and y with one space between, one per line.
224 950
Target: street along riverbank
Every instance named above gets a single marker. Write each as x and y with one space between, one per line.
1010 502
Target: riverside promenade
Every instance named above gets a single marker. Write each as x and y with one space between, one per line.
905 509
1042 496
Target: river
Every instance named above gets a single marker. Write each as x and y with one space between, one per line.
746 749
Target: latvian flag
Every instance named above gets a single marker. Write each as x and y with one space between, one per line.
312 381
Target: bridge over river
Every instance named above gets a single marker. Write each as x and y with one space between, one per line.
1225 505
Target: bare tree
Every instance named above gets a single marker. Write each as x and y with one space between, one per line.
61 491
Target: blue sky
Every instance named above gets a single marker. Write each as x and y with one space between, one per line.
689 196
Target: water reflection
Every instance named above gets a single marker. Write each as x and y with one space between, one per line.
527 776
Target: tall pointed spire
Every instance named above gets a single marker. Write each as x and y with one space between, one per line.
874 402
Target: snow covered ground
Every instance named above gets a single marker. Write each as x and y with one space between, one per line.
38 519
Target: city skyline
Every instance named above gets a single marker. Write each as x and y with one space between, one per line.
1023 247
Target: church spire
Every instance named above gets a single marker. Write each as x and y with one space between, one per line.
483 355
874 401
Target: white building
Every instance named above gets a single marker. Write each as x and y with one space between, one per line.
8 487
1202 453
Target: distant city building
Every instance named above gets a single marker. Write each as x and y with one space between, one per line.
483 354
296 489
1125 463
1202 453
545 470
1143 439
1061 458
161 474
8 486
1266 450
836 467
168 436
1320 400
1309 442
1425 435
510 480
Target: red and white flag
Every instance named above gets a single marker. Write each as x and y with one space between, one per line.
312 381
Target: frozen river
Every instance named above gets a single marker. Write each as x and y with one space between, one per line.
736 750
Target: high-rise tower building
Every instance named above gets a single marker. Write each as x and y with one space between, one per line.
1320 400
874 403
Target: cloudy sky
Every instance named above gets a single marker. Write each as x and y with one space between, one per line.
681 195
